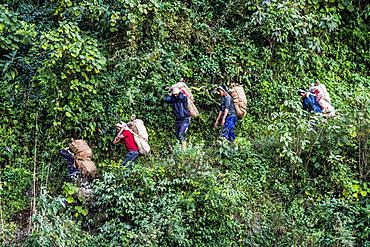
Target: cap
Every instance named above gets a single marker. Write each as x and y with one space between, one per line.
121 125
301 90
222 87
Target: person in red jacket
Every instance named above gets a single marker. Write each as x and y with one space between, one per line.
125 136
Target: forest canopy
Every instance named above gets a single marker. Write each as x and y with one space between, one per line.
73 69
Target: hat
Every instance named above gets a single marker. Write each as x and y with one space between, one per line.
301 90
222 87
121 125
175 90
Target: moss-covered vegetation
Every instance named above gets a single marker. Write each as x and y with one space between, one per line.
71 69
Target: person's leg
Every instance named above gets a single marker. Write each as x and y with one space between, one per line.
228 130
232 124
184 129
177 128
131 157
72 170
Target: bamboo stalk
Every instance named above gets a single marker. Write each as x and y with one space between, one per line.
1 209
33 202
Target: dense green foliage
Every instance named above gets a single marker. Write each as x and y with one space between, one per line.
71 69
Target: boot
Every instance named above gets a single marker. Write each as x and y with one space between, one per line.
183 145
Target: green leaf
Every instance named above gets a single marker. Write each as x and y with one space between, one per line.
355 187
340 6
350 7
70 199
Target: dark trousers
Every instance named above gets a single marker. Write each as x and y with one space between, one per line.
181 128
131 157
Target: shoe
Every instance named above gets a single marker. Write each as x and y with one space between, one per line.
183 145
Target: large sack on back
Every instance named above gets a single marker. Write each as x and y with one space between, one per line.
87 167
184 89
80 149
140 134
141 144
240 101
324 93
321 92
192 109
138 127
327 108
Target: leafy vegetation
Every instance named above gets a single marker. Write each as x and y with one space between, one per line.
72 69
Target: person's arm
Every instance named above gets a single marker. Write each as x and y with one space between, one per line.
224 117
69 157
304 105
168 99
218 118
64 153
118 137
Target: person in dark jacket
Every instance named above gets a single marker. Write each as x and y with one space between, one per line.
309 101
227 114
182 116
71 166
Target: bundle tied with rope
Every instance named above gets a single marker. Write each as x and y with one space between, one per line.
82 155
237 93
139 132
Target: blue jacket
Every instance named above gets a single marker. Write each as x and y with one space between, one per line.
67 156
311 104
179 106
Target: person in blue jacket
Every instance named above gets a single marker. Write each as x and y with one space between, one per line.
182 116
309 101
71 166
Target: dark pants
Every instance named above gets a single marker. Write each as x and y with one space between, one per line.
181 128
131 157
228 130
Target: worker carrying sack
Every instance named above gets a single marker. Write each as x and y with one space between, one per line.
141 137
82 155
193 111
322 95
240 101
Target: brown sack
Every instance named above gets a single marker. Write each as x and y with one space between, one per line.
240 101
192 109
138 127
80 150
184 89
141 137
141 144
87 167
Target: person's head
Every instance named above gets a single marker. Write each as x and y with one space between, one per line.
121 125
302 92
176 92
222 90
